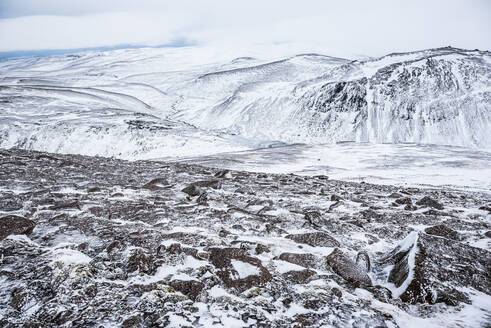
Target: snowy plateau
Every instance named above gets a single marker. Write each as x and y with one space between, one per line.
182 187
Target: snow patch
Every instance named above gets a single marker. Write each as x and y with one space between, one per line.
244 269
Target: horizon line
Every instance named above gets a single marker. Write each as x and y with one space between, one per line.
16 54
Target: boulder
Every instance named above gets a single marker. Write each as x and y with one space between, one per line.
224 174
313 217
196 188
305 260
192 190
141 262
403 201
348 269
156 184
299 277
429 202
15 225
190 288
313 239
443 231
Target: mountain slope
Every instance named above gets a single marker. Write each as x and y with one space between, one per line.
58 103
440 96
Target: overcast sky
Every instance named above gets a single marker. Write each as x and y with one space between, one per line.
363 27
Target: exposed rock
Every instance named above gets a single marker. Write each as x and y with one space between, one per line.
224 174
317 238
305 260
299 277
429 202
129 259
421 264
348 269
335 198
176 248
19 299
192 190
214 184
188 238
138 261
313 217
156 184
401 270
403 201
190 288
381 293
94 189
65 205
371 239
196 188
15 225
222 258
443 231
260 248
337 292
223 233
202 199
304 320
10 204
485 208
132 322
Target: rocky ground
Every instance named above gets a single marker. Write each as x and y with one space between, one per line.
98 242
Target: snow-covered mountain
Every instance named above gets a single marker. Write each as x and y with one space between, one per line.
147 103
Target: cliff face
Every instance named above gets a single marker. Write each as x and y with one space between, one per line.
87 241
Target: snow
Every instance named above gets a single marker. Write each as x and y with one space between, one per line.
267 115
165 271
244 269
410 242
153 103
217 291
69 256
283 266
475 315
22 239
399 164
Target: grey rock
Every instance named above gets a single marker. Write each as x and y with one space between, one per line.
15 225
348 269
317 238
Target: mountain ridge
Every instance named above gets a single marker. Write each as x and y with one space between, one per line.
436 96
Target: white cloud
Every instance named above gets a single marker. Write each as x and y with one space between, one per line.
337 27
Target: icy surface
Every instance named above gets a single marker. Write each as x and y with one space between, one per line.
399 164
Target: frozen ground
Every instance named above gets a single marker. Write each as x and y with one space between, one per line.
92 241
398 164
